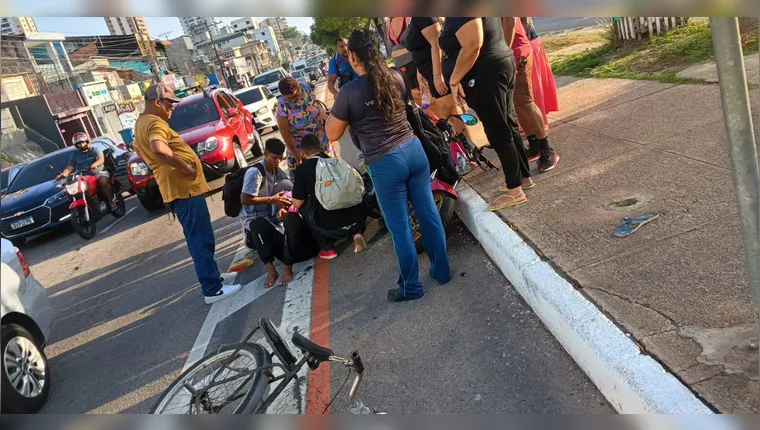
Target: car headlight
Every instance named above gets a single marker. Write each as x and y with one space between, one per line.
207 145
261 111
139 169
58 198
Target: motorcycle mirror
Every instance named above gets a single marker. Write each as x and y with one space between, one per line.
50 167
468 119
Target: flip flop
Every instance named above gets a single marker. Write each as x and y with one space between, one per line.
510 201
628 226
504 189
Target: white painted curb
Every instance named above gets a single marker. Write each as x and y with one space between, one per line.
631 381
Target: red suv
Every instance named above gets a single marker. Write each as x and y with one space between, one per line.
218 128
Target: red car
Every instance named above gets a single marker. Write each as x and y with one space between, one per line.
218 128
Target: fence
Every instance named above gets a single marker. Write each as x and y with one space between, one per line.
640 27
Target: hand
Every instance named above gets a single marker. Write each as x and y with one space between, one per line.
94 166
297 158
189 171
440 85
59 177
458 92
281 200
281 213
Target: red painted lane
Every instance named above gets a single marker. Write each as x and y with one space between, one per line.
318 393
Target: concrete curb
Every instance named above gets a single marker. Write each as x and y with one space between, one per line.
631 381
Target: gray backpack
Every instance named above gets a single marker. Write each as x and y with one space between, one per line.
338 185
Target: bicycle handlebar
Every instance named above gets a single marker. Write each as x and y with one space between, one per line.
357 362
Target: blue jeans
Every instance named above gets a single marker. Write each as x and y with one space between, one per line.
398 177
199 234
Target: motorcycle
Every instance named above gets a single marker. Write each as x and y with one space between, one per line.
88 204
465 154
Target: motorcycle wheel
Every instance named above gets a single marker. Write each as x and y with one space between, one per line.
121 206
445 205
87 230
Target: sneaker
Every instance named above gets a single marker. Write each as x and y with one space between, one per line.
548 161
226 291
227 278
328 255
533 153
394 296
360 243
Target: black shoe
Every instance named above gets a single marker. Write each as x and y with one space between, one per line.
533 153
547 161
394 296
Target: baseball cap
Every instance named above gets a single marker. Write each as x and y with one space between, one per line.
288 86
160 92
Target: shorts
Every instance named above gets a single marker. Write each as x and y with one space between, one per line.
103 174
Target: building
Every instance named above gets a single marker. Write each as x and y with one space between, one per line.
198 25
251 58
245 24
182 56
279 24
125 25
128 51
268 36
17 25
43 59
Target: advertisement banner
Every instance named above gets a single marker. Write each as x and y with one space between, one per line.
96 94
134 91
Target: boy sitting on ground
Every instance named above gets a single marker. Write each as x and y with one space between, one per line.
325 225
274 231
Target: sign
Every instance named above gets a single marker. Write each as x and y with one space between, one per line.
189 81
126 108
134 91
128 119
109 108
96 94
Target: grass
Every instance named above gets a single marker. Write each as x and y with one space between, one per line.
659 58
555 43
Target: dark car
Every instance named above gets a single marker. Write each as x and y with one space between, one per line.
7 175
33 203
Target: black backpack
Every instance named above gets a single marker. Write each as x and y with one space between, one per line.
233 188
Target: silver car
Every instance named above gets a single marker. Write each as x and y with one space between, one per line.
27 313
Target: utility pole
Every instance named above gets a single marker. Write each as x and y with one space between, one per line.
142 40
218 60
288 57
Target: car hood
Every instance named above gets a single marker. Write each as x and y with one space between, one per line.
253 107
29 197
191 136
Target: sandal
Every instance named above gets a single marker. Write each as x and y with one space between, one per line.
507 201
527 184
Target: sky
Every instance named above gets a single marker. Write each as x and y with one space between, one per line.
156 25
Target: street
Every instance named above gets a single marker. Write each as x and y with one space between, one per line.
131 316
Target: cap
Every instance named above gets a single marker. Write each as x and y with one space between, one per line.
160 92
288 86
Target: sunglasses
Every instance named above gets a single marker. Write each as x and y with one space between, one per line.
169 105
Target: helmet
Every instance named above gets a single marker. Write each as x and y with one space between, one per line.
79 138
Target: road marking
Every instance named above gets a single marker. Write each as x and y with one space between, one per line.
318 393
239 261
117 221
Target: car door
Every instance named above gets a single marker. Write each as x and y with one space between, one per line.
271 100
237 122
246 117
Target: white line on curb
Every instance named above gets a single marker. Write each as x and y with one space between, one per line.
631 381
117 221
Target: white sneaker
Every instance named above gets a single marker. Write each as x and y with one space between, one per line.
227 278
226 291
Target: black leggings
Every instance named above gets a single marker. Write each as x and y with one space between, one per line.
296 245
491 98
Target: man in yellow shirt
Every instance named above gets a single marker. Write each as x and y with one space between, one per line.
179 174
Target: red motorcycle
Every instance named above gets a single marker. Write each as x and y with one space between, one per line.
88 203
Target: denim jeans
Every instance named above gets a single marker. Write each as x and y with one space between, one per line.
199 233
398 177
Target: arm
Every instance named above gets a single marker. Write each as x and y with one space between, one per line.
431 34
162 150
66 172
298 203
250 200
470 37
331 79
335 128
508 24
339 116
101 160
290 141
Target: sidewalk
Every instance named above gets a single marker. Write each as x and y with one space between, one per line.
678 285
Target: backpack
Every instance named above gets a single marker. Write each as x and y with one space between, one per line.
338 185
233 188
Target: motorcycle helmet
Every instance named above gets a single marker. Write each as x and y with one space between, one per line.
80 138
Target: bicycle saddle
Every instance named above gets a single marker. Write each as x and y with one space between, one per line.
310 347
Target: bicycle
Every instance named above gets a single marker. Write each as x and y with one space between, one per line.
254 376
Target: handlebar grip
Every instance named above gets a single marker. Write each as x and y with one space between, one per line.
357 360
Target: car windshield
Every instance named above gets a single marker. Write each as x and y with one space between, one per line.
194 114
250 97
298 74
269 78
40 171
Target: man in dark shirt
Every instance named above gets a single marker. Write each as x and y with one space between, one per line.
94 155
326 226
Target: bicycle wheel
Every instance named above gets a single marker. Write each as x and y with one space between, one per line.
237 396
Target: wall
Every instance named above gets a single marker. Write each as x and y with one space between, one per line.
33 112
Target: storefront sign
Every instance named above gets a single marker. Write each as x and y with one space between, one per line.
96 94
134 91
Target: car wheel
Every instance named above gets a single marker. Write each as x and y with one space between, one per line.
151 205
257 146
25 371
240 161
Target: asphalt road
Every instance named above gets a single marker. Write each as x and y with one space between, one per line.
130 314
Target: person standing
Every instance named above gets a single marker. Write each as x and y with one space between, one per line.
339 70
179 174
375 107
528 114
480 67
544 87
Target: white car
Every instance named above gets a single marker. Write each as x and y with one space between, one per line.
260 102
27 313
271 79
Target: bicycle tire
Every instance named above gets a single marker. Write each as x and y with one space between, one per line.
255 393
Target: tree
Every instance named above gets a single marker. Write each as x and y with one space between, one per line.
291 33
325 30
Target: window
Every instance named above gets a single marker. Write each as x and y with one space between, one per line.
194 114
223 105
248 22
232 101
41 170
251 96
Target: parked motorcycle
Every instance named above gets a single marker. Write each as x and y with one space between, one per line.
465 154
88 204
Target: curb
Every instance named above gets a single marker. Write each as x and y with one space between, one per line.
631 381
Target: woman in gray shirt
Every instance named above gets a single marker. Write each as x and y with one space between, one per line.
374 106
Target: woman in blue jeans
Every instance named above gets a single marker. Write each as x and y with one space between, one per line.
374 106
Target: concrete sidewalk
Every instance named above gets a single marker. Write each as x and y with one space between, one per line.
678 285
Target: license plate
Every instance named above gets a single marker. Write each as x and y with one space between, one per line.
22 223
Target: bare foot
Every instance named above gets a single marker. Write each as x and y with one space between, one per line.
287 275
272 276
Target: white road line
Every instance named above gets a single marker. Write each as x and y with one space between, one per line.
117 220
